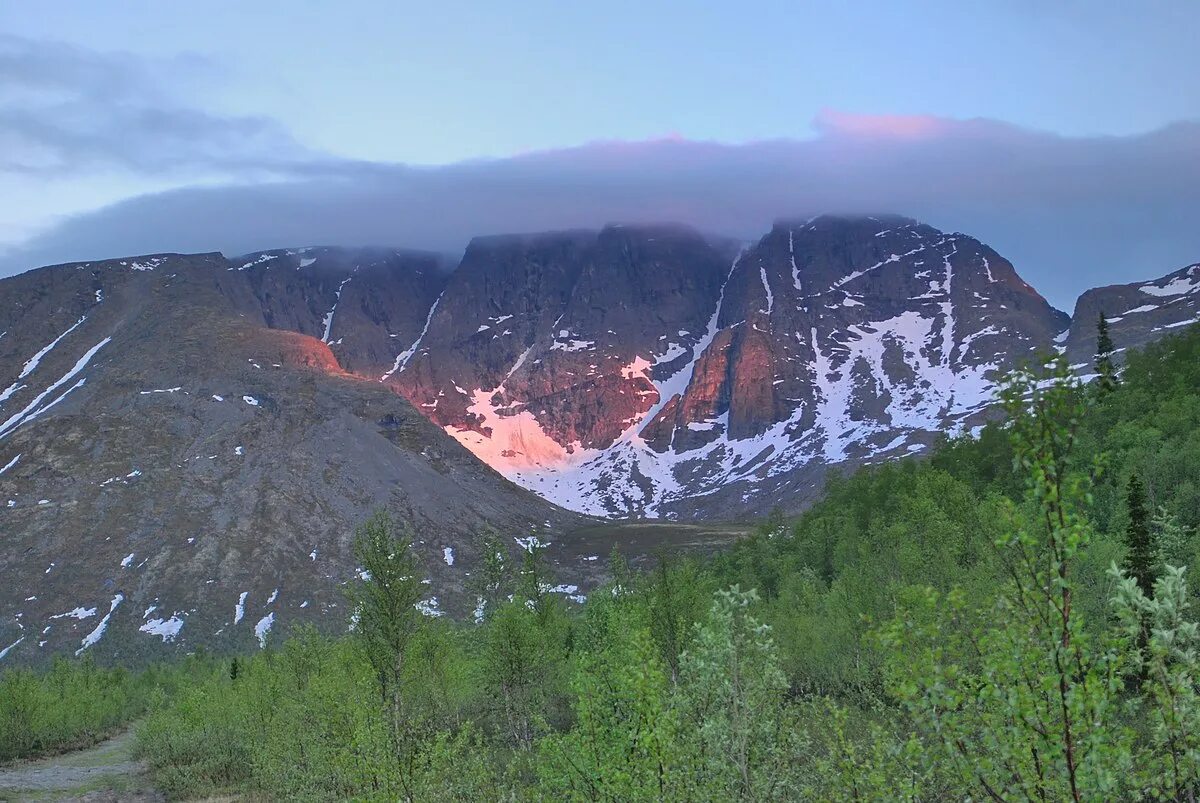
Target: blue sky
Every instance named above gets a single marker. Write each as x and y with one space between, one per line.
440 82
148 97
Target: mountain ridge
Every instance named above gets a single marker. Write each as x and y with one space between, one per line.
262 405
512 432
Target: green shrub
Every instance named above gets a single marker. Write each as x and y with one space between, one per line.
72 704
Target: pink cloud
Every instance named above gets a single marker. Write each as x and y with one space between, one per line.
832 122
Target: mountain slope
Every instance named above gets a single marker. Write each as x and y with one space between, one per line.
172 462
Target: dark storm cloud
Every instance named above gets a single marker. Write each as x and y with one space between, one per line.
64 109
1069 212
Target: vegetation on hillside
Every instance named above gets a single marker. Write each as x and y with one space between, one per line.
73 704
1009 619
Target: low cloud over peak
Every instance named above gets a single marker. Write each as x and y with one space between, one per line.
1071 212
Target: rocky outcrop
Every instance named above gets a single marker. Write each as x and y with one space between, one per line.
366 303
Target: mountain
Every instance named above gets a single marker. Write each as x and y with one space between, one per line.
646 371
378 297
1137 313
187 441
177 473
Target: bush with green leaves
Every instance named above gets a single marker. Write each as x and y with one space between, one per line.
72 704
621 744
1023 702
943 629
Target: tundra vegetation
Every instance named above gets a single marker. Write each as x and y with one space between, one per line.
1011 618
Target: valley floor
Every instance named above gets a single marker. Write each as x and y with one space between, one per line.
641 539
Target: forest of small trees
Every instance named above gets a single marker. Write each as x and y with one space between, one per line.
1012 618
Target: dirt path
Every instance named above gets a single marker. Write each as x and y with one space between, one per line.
104 773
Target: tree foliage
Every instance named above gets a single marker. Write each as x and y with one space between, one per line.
975 625
1106 371
1142 558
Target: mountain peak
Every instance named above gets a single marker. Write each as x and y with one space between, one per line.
848 221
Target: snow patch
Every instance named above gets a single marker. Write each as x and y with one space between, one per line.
329 315
32 410
530 543
259 261
80 613
792 258
239 610
1180 285
32 363
263 627
429 607
762 272
7 649
403 357
167 629
149 264
93 637
572 345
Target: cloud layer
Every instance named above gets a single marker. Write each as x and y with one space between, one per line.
65 109
1070 212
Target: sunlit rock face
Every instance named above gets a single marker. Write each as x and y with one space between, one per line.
653 371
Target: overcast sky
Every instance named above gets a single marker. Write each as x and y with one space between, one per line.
1064 134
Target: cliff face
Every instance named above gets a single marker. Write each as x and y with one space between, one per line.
556 328
647 371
